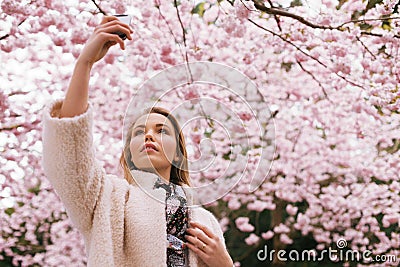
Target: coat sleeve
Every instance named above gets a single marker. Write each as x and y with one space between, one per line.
69 163
207 218
217 229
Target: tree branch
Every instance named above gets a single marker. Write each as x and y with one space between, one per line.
315 79
4 36
8 35
377 34
184 41
180 22
303 52
296 139
166 23
18 93
366 20
277 11
99 8
289 42
278 22
365 47
10 128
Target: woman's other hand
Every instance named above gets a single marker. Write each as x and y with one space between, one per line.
103 37
207 246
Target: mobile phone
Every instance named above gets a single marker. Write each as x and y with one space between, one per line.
124 19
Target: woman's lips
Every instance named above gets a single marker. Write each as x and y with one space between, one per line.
149 147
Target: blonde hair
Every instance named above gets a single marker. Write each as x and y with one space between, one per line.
179 170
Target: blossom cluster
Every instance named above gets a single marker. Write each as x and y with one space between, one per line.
332 92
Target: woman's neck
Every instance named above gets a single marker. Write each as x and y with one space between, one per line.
164 174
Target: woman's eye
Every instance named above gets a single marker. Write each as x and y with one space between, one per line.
138 132
164 131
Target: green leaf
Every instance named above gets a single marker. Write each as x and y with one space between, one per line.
208 134
287 66
226 156
35 189
386 26
340 4
372 4
9 211
296 3
177 3
199 9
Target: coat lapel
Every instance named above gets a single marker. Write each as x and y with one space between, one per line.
145 181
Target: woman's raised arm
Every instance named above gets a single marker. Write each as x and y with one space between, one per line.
76 99
69 160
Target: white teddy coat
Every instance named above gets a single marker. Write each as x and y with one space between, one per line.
122 224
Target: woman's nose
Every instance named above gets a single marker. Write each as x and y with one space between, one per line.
148 135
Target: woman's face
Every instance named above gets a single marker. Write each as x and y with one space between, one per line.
153 143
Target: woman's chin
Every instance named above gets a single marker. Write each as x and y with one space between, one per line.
148 169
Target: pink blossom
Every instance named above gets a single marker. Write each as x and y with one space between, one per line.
341 67
166 50
47 20
146 12
196 137
109 59
389 219
242 223
168 60
340 51
246 116
291 210
243 9
79 37
229 25
211 14
191 93
267 235
281 228
302 220
59 41
252 239
352 6
239 31
234 204
301 57
119 7
48 3
9 7
333 131
258 205
285 239
325 21
7 47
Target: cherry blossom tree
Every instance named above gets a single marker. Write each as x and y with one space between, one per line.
329 71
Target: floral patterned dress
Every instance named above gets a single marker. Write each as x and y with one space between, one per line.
176 213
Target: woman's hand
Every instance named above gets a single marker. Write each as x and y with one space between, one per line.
207 246
76 99
103 38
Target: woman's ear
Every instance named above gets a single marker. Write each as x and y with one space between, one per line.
176 159
178 156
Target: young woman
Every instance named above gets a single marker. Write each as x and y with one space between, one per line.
123 221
